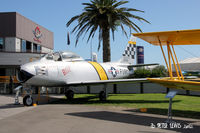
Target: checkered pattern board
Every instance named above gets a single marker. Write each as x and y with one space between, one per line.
130 51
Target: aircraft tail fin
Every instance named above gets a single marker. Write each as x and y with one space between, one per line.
130 52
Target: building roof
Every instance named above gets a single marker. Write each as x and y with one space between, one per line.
190 60
13 24
189 64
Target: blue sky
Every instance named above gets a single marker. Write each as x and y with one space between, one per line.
163 14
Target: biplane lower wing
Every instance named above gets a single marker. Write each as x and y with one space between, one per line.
177 84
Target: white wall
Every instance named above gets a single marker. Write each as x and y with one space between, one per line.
46 50
18 44
16 58
10 44
13 44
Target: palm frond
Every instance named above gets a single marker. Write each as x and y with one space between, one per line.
119 3
105 13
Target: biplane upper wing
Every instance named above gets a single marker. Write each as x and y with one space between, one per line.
180 37
170 38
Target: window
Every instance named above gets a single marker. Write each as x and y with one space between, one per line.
34 47
28 46
2 71
1 43
38 48
23 45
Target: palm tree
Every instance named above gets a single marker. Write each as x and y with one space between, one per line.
104 16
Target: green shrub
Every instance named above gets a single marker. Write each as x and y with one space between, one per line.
141 73
158 71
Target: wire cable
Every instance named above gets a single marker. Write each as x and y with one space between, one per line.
188 52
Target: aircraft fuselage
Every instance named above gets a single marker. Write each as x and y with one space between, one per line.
60 73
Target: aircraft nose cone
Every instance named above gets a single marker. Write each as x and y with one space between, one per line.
29 68
23 76
25 73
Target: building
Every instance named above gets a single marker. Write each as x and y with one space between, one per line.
21 41
189 65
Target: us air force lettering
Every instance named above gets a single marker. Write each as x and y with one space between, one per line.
66 69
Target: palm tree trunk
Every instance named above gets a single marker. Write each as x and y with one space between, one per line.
106 44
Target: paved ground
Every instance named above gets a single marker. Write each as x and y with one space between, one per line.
65 118
8 109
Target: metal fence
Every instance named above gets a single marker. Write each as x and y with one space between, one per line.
127 88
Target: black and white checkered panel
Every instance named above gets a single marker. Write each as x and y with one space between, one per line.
130 51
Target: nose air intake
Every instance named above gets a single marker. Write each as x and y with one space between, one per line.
23 76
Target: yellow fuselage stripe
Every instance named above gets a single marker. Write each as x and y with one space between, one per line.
101 72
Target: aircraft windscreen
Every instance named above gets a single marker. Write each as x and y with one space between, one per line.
53 56
49 56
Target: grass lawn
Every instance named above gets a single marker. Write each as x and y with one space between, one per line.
183 106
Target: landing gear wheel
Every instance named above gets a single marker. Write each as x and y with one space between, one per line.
102 96
69 95
28 100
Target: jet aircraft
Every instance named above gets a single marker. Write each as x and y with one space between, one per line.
64 69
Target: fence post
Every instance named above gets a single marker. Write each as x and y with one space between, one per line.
141 88
88 89
115 88
167 90
187 92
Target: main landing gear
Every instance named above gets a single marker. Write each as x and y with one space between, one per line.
69 95
103 94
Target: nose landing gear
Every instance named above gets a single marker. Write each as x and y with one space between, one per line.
28 100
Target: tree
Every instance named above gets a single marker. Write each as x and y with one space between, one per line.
159 71
141 73
104 16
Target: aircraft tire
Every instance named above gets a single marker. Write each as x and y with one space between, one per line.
102 96
28 100
69 95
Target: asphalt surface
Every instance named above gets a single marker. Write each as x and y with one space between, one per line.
66 118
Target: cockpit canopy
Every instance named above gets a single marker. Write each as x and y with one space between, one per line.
63 56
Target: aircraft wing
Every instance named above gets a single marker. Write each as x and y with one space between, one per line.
177 84
111 81
181 37
141 65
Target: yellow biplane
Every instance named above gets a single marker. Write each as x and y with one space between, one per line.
169 39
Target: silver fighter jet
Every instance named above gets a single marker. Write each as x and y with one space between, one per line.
64 69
